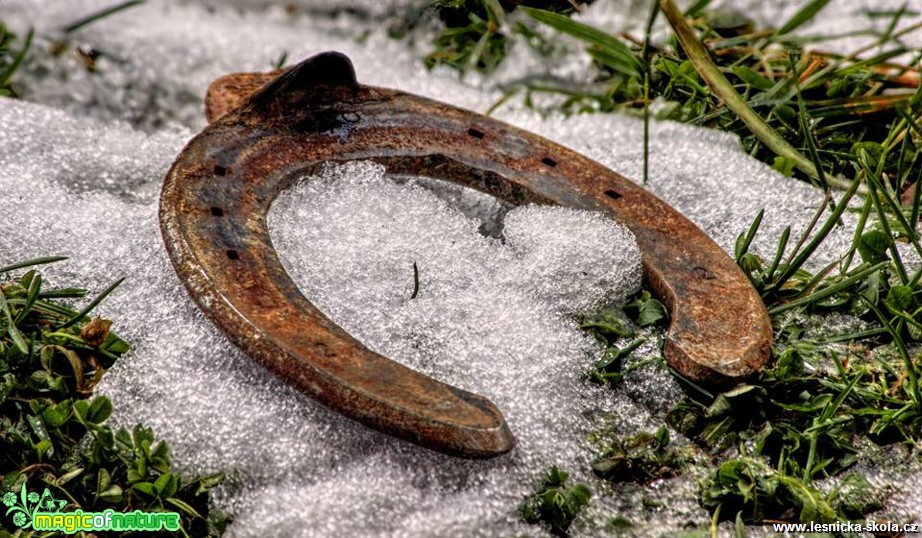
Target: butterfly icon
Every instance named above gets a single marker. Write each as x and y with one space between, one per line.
48 503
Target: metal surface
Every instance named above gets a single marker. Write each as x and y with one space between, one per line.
218 192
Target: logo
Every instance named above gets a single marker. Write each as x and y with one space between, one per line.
44 513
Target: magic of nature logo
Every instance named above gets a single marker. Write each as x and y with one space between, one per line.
31 511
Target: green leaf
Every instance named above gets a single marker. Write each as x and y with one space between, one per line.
743 241
555 504
899 299
42 448
112 494
662 436
695 9
873 246
99 410
103 480
615 62
56 415
107 12
813 505
5 77
123 438
145 490
33 282
784 165
135 476
67 477
81 408
651 313
166 485
114 344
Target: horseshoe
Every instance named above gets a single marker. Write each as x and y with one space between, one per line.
268 130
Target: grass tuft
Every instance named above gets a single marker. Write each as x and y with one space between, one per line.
54 432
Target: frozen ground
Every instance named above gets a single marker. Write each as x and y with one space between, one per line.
81 163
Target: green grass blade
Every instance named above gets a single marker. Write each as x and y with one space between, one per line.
648 31
63 293
744 241
807 133
32 262
11 328
647 68
877 192
722 87
801 257
80 315
35 287
859 231
911 372
779 251
697 8
830 290
805 14
614 62
7 74
102 14
606 45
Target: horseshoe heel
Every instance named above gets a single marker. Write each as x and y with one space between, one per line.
213 217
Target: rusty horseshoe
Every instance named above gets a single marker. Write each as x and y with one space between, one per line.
268 130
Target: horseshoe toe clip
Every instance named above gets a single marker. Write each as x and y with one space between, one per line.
268 130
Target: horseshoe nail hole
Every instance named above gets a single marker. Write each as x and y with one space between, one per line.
547 161
475 133
612 194
704 273
217 212
233 254
221 171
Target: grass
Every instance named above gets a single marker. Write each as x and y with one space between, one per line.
53 431
556 503
848 124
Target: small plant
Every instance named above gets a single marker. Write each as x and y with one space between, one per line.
642 457
474 33
556 504
646 311
750 487
53 433
610 325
